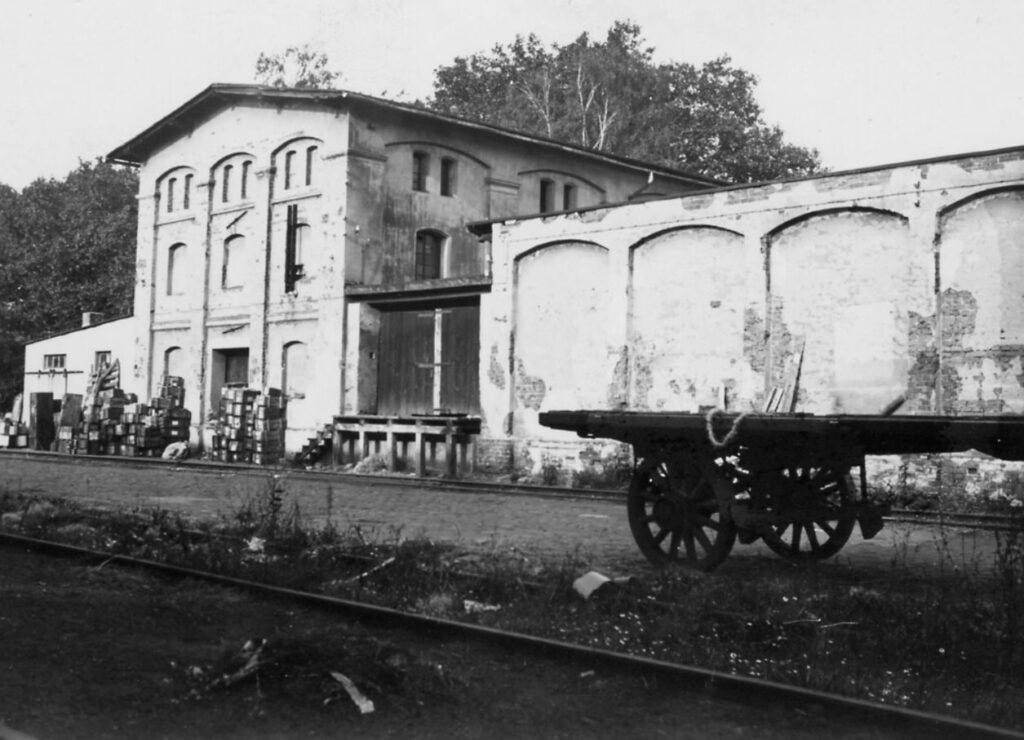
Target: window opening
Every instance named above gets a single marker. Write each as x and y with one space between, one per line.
186 197
568 197
175 268
174 362
54 362
547 196
226 184
170 194
289 163
246 166
102 359
310 152
448 170
295 234
429 249
419 171
234 255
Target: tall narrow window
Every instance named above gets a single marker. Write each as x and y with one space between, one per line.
174 362
102 359
448 171
547 196
176 269
246 167
295 243
568 197
234 257
289 169
429 255
186 196
225 192
420 164
170 193
310 155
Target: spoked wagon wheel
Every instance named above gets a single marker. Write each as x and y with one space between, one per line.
674 515
812 510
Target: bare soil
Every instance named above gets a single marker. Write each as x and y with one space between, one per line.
96 652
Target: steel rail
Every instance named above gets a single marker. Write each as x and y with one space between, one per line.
735 687
994 522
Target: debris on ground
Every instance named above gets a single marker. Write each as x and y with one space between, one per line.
365 705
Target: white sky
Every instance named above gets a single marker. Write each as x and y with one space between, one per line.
865 81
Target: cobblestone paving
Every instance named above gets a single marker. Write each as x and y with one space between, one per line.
547 528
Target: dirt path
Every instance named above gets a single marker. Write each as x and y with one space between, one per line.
546 528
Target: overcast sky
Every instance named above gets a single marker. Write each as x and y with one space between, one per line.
865 81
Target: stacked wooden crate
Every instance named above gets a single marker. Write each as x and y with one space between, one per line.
169 412
250 426
13 434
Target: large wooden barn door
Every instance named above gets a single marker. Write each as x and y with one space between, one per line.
429 357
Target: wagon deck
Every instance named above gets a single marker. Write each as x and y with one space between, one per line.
702 481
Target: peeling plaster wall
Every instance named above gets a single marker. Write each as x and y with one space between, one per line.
899 280
842 284
981 247
688 295
564 357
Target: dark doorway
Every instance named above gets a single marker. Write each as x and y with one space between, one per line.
229 367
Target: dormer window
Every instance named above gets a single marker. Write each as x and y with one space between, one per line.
568 197
448 172
420 167
547 195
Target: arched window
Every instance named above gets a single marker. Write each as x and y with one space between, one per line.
295 370
176 269
310 157
234 260
246 169
174 361
171 186
225 193
430 254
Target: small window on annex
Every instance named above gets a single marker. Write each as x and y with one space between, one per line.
54 362
547 195
176 269
568 197
429 254
234 262
449 169
102 359
420 167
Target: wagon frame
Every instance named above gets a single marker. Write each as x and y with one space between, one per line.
703 480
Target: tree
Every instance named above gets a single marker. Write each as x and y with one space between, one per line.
65 247
612 96
295 67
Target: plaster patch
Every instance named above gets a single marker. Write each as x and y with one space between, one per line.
530 389
618 388
495 372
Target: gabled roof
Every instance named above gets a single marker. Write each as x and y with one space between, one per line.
220 95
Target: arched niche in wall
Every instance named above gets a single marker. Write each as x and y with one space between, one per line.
177 268
233 179
563 354
175 193
687 302
981 282
174 362
297 165
845 285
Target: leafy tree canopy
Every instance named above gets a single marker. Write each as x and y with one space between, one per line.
296 66
610 95
66 247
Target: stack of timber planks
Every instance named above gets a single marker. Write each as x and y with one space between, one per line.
250 426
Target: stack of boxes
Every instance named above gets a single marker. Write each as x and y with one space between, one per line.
250 426
13 434
169 411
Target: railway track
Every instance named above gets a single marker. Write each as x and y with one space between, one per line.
991 522
907 722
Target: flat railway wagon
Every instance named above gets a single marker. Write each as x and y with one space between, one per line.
702 481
